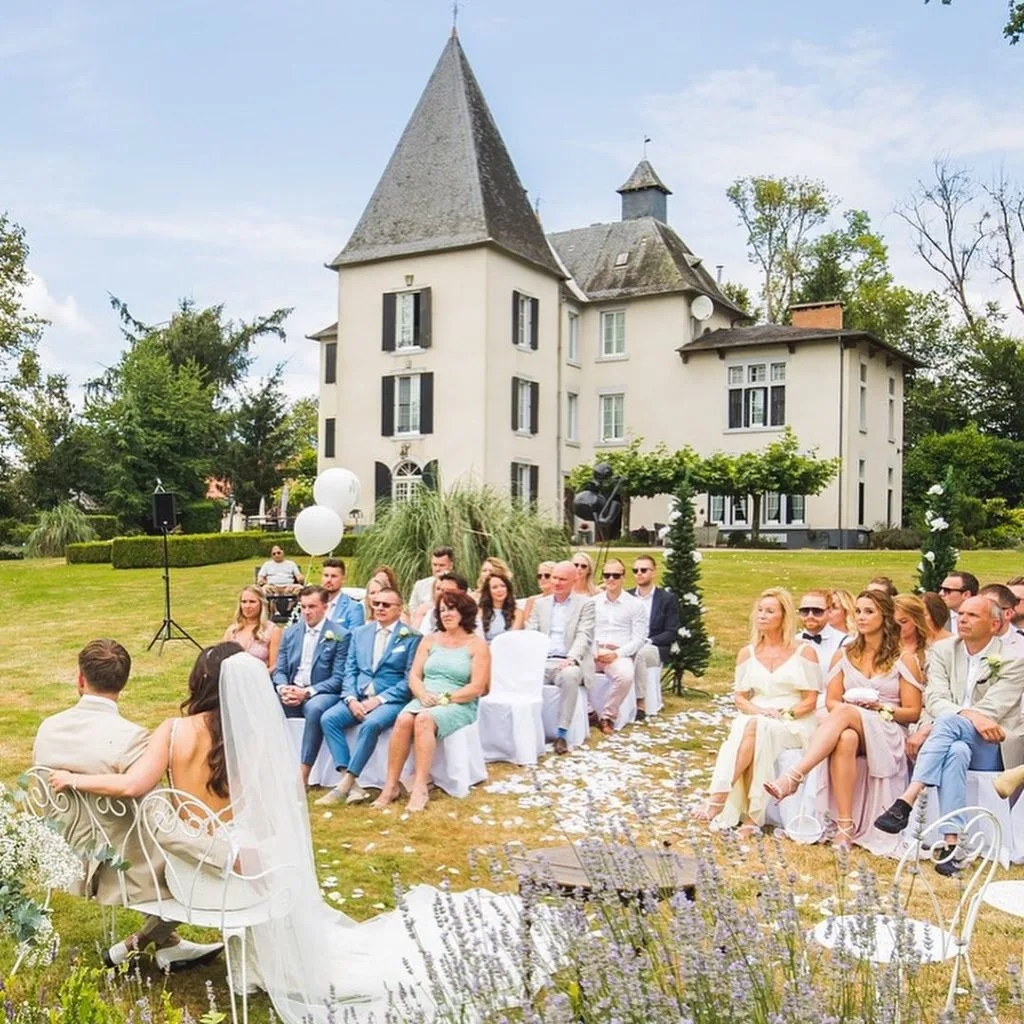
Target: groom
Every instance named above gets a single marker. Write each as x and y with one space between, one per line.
974 697
376 689
309 670
93 738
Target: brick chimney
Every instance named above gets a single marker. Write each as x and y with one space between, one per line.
821 315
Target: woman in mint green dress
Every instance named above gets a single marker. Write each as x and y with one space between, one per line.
447 678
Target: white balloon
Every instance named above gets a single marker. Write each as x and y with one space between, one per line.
318 529
337 489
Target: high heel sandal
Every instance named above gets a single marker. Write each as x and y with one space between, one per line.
785 786
711 808
844 833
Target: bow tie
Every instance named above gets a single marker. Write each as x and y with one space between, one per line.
815 638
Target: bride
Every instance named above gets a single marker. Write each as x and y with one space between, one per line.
228 751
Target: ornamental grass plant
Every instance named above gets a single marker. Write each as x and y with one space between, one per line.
58 527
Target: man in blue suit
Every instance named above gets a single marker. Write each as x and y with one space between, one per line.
341 609
376 689
310 669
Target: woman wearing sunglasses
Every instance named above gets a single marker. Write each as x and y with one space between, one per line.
544 571
584 575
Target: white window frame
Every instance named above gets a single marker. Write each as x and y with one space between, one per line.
892 408
523 475
405 321
617 350
755 379
525 321
406 479
413 425
722 511
524 405
615 438
862 397
572 417
572 348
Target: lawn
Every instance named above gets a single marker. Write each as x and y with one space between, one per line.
53 609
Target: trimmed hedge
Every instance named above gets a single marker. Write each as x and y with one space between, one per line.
93 551
200 517
105 526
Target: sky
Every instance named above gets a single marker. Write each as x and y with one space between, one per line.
224 151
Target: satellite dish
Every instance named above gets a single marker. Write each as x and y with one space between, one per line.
702 307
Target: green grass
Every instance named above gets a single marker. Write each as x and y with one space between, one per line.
53 609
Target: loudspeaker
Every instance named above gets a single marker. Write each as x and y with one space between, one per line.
165 511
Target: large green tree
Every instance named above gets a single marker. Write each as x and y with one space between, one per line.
1014 27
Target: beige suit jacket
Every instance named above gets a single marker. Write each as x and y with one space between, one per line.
579 629
997 692
92 738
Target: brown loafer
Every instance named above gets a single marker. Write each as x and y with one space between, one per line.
607 727
561 747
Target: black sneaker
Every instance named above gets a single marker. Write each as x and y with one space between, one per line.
894 820
641 715
947 865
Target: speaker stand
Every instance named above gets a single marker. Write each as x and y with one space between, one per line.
168 626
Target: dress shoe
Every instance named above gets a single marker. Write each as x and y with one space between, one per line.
593 719
641 715
356 795
894 820
607 727
331 798
947 864
561 747
185 955
1007 783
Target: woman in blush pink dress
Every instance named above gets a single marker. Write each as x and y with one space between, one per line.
252 629
864 738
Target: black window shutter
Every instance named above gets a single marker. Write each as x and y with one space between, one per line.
735 408
387 406
388 330
381 482
515 403
778 408
534 322
534 403
331 362
514 484
423 312
426 403
534 482
431 475
515 318
329 437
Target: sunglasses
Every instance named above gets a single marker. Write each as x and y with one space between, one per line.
641 568
951 590
581 565
807 610
612 575
383 604
543 575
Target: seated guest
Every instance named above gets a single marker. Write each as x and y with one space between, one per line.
447 679
662 610
498 611
884 584
912 618
841 612
936 617
442 560
252 629
92 738
817 629
423 617
386 576
373 588
776 689
955 589
876 730
974 698
447 583
1013 642
1016 585
279 576
341 609
584 574
309 670
567 619
375 690
620 630
544 584
490 564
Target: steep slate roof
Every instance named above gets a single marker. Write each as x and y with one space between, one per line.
781 334
644 176
659 262
450 182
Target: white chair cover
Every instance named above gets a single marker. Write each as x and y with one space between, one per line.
599 694
655 702
510 718
356 593
579 728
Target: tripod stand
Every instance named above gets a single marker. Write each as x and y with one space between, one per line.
168 626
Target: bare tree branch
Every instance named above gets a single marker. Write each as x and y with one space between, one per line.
1005 244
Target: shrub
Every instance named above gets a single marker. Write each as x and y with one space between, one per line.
58 527
9 554
207 548
200 517
97 551
105 526
21 533
742 539
895 538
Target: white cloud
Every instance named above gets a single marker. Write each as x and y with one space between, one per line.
65 314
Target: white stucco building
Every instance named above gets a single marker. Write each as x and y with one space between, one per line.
469 343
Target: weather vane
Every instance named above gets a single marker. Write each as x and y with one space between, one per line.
647 139
455 14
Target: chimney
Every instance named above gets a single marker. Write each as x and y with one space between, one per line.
821 315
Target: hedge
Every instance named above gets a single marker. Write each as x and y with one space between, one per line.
105 527
200 517
89 551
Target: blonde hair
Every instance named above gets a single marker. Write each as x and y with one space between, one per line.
845 599
239 622
788 624
497 566
366 597
914 608
591 589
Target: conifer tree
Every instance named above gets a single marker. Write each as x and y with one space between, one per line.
938 555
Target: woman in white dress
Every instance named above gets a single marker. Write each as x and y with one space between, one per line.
776 690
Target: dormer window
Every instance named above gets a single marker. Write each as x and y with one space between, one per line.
622 259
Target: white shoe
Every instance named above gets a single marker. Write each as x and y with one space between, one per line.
117 954
356 794
331 798
185 955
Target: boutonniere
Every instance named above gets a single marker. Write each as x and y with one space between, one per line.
404 632
995 663
329 635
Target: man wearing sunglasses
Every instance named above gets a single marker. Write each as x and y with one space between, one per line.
373 693
662 611
620 630
955 589
823 636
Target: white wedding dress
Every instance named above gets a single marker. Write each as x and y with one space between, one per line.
309 954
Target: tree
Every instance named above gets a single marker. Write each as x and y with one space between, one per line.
1014 27
1005 249
299 471
779 214
691 649
739 295
938 556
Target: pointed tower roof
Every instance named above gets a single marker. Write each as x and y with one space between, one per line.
644 176
450 182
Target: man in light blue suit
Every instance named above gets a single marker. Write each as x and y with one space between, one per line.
340 607
310 670
376 689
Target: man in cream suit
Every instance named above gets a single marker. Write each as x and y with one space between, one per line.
568 620
974 698
93 738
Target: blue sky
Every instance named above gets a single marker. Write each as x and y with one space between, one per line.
224 151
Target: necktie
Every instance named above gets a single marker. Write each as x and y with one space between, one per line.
815 638
379 643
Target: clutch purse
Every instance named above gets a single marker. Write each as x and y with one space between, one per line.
861 695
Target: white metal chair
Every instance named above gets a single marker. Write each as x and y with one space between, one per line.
599 694
511 714
916 920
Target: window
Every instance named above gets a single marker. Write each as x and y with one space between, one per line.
776 510
612 418
861 472
329 431
863 406
795 506
889 489
524 484
613 334
407 404
572 351
892 409
771 508
405 481
738 507
572 417
525 316
756 396
716 508
331 362
525 403
406 322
